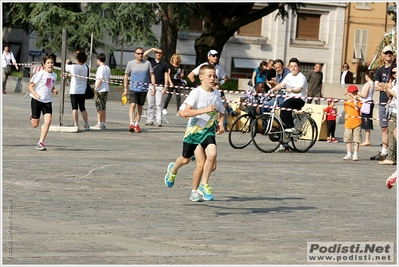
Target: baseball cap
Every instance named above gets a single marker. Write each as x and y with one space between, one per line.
352 89
212 52
387 48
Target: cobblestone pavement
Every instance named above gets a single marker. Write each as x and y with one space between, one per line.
98 197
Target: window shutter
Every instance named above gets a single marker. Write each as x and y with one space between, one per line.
254 28
364 43
357 44
308 26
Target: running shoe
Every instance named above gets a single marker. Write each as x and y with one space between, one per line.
355 158
131 128
137 128
149 123
86 127
391 181
170 177
41 146
195 196
206 192
164 111
334 140
95 127
328 140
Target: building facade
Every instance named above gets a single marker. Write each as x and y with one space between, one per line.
365 25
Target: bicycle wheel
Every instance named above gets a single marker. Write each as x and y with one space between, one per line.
308 133
241 136
267 133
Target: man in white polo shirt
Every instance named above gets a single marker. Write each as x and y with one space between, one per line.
213 57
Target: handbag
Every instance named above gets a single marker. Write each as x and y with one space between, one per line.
8 68
89 93
365 109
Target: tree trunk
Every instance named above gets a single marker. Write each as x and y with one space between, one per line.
214 36
169 31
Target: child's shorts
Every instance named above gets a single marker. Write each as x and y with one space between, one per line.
353 135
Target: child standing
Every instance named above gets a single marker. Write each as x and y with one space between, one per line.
202 106
40 87
101 90
330 115
353 121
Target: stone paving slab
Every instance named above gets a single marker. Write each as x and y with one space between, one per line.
98 197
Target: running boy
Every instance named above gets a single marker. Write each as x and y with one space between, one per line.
40 87
202 106
353 122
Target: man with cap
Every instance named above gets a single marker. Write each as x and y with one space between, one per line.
381 79
213 57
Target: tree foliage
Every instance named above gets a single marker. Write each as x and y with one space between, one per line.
125 23
222 20
130 23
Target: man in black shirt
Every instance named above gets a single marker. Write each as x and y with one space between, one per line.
160 69
381 79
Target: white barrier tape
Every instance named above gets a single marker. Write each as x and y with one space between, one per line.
290 109
225 91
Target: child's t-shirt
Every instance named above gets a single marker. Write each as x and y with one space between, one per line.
44 83
349 108
203 125
331 114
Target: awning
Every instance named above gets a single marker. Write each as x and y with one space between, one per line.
243 63
188 60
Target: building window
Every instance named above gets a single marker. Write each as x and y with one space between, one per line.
308 26
254 28
363 5
360 44
196 24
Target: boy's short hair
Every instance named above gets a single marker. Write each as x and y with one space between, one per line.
101 57
294 59
81 57
206 67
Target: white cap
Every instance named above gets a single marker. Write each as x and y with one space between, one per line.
212 52
387 48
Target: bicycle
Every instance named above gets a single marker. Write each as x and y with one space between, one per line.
241 137
268 131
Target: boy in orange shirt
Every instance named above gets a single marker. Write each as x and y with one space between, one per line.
353 121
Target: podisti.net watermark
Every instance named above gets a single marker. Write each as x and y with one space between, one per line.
350 252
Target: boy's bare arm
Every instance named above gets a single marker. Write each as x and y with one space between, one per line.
190 112
220 127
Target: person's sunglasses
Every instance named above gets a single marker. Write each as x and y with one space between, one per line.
139 53
158 53
393 72
215 55
388 53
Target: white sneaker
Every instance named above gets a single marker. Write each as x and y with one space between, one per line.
291 130
347 157
164 112
355 158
